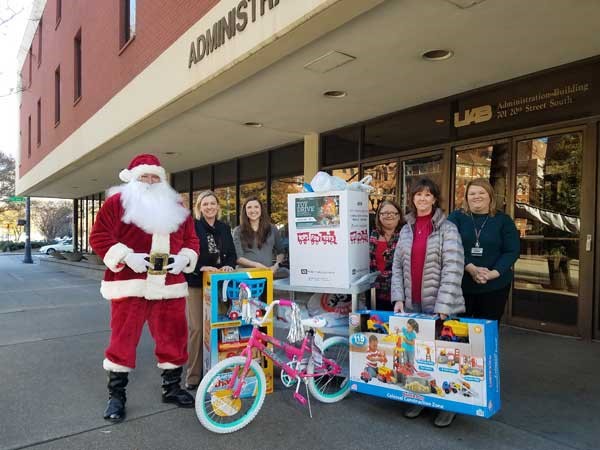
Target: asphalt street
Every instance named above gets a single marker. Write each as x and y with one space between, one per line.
54 327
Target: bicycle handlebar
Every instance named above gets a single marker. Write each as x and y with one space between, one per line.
269 310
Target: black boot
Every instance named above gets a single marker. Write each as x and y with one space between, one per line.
171 389
115 410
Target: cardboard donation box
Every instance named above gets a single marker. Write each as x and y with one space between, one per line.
450 365
329 238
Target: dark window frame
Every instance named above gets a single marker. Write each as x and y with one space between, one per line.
58 12
127 30
30 66
77 67
29 138
39 122
57 96
40 28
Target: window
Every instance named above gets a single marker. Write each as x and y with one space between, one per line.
548 216
227 201
482 161
385 182
253 177
39 122
409 129
58 11
287 165
201 181
340 146
29 137
348 174
40 28
77 60
280 189
57 96
30 66
181 183
128 9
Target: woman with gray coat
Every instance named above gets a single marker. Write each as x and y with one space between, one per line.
428 266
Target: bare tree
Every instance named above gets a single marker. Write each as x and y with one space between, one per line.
53 218
8 14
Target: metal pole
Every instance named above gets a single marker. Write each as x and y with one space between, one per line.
27 259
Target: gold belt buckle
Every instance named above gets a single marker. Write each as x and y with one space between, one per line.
158 263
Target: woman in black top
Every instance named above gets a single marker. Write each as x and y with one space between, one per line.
217 252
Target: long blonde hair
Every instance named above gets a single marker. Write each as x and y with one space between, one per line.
485 184
202 196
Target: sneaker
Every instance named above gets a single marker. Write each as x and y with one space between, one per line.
413 411
444 419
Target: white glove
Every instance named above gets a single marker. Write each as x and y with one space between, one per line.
136 262
179 263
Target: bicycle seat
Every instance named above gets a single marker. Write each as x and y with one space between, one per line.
314 322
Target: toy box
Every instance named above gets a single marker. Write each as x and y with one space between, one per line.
334 226
225 334
418 358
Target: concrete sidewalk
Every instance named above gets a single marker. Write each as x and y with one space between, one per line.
54 326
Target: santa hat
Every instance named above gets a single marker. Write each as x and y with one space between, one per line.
140 165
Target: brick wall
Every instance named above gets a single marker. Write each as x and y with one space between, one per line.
105 68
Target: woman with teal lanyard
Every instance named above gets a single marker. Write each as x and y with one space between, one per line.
491 244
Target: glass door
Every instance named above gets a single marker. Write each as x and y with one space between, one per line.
548 197
385 183
414 167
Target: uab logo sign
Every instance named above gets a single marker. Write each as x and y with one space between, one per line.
473 115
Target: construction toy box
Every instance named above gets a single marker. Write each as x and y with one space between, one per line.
329 238
225 333
418 358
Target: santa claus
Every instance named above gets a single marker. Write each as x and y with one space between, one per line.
146 239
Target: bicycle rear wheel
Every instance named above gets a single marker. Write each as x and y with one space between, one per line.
331 388
216 408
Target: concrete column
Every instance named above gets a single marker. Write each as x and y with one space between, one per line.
311 156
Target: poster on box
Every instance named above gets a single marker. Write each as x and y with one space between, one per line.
450 365
317 212
334 226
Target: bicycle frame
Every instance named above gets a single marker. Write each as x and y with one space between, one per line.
259 340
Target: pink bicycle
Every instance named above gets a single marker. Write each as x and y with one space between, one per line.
233 391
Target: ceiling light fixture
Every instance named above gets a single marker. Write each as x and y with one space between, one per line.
440 120
170 153
335 94
437 55
253 124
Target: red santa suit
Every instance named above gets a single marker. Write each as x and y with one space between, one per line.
136 298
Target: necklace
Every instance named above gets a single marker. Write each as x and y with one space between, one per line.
421 229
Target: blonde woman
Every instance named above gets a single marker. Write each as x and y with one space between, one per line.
217 252
491 244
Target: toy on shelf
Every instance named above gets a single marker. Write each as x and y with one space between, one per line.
376 325
455 331
244 293
229 298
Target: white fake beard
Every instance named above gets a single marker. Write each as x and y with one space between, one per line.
155 208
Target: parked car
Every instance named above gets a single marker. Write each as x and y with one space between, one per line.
60 245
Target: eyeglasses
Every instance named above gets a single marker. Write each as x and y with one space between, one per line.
389 214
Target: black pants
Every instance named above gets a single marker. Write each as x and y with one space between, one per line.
382 300
487 305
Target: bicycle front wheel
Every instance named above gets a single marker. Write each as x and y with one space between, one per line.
216 407
329 388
